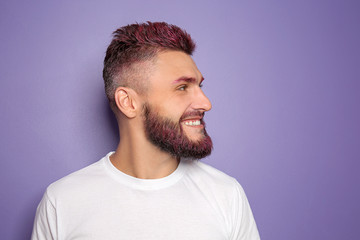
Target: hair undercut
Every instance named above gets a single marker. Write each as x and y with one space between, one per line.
133 47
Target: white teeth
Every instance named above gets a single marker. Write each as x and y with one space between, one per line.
193 123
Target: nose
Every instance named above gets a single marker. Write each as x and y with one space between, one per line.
201 101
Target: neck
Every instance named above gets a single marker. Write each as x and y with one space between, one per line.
139 158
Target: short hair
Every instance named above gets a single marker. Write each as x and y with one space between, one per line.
132 47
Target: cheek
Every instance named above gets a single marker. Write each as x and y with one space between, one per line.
175 113
174 109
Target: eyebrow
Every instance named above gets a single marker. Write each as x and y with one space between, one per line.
187 79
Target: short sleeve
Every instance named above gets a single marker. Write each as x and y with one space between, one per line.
243 222
45 225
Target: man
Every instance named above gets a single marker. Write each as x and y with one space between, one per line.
151 187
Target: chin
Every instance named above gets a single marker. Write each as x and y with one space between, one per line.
173 138
195 137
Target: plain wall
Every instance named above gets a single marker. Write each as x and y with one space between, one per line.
283 78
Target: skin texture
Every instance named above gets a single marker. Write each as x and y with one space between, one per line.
174 92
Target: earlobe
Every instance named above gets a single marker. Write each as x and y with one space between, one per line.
125 99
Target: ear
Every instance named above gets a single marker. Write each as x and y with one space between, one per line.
127 101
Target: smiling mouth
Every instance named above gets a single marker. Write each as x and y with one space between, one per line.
193 119
192 123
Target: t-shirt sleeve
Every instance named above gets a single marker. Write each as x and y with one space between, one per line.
243 222
45 225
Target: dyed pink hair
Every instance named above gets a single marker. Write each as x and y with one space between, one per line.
138 43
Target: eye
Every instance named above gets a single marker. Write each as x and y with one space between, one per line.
182 87
200 85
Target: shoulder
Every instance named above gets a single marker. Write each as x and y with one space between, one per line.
212 179
210 173
78 181
228 198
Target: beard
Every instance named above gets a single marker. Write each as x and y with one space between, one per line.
169 136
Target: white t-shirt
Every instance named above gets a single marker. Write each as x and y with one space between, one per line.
100 202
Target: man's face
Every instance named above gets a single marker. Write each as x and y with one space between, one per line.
175 106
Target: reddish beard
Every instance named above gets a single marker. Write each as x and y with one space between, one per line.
169 135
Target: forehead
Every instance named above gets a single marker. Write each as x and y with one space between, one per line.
172 65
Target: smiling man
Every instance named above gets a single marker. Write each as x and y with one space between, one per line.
152 186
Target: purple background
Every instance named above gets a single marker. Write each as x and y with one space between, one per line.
283 77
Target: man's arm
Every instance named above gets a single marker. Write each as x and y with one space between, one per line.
243 223
45 225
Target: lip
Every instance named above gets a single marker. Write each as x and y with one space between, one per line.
192 115
193 119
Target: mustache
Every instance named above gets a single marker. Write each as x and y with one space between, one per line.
192 114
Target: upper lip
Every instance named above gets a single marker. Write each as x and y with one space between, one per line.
191 118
